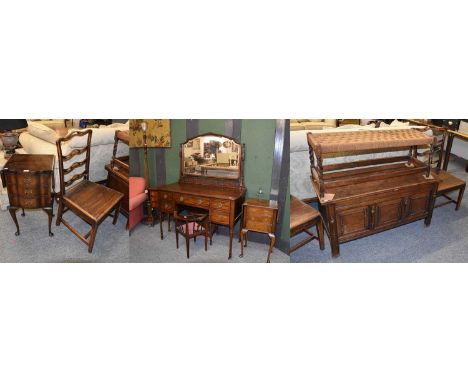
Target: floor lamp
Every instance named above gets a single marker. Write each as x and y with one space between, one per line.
149 218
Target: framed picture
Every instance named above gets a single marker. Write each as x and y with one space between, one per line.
158 133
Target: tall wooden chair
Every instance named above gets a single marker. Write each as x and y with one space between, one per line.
90 201
447 182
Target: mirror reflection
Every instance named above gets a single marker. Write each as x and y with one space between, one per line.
211 155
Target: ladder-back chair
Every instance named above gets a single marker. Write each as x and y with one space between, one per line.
90 201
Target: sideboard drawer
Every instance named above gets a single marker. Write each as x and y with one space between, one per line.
190 200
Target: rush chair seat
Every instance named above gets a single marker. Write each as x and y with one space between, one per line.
191 224
302 218
90 201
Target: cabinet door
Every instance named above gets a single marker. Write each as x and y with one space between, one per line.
418 205
353 221
389 212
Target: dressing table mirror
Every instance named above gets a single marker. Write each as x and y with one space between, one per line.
211 178
211 156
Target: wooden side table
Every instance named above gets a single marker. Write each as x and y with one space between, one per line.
259 215
30 182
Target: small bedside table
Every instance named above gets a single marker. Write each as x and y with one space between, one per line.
259 215
30 181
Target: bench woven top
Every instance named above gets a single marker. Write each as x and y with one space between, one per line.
367 140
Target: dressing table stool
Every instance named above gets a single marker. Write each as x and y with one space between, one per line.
259 215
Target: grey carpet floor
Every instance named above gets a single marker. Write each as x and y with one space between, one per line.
146 246
445 240
35 246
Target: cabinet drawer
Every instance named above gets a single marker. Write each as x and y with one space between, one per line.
153 195
418 205
33 202
389 212
259 219
167 207
219 217
221 204
353 221
194 201
28 184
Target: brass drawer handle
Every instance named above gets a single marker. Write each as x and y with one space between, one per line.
28 191
220 205
165 196
181 198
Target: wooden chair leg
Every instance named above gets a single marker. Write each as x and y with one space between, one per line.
320 234
460 197
206 238
177 237
59 212
22 212
187 244
92 238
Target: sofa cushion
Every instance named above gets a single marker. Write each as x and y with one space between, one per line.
43 132
101 136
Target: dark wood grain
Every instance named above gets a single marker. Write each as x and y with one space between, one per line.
30 184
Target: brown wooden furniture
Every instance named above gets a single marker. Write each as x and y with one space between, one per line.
222 197
302 218
447 182
90 201
118 170
30 181
259 215
369 196
191 224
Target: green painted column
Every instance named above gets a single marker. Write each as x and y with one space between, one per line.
178 135
258 135
215 126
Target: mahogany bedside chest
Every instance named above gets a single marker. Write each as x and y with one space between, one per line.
30 181
259 215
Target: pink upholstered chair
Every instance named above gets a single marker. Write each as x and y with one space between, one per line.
137 197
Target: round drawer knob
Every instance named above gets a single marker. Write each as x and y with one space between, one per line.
220 205
181 199
165 196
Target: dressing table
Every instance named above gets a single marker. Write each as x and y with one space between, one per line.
219 190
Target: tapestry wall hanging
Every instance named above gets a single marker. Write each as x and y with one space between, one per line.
158 133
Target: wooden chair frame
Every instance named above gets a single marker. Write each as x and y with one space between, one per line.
202 219
63 206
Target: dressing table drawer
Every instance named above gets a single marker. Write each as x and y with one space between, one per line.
190 200
219 217
221 205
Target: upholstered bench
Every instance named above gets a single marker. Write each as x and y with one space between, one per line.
302 218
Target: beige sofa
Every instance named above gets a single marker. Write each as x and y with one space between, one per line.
40 139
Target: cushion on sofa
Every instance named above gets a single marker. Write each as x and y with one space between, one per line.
43 132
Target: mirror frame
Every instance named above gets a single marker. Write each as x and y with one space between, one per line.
239 178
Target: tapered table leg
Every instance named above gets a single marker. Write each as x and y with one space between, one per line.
13 215
48 211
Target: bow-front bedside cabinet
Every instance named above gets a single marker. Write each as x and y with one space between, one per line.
30 180
259 215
